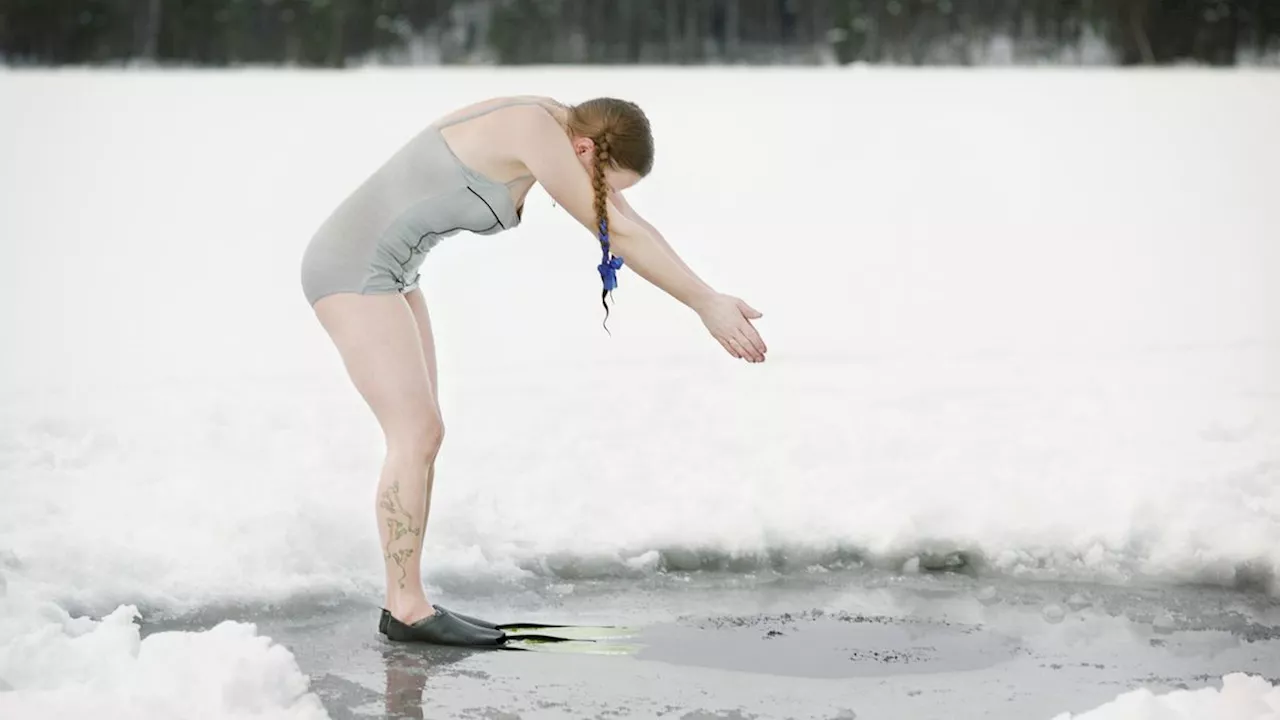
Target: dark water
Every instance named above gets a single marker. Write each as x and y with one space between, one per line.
833 645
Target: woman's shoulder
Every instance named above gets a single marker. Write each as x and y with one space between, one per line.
494 104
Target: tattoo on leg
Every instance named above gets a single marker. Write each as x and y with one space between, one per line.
399 558
399 523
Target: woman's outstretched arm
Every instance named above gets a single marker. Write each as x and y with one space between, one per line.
747 311
542 146
629 212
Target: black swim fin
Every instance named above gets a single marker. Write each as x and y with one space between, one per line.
467 618
440 628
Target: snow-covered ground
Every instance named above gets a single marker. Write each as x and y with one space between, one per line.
1029 316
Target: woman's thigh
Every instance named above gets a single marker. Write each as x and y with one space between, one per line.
381 346
418 305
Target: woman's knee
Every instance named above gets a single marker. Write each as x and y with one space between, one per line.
419 441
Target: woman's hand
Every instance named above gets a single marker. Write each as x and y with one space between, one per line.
729 321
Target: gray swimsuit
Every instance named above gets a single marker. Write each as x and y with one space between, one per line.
376 239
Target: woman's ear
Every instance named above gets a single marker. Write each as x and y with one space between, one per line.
583 146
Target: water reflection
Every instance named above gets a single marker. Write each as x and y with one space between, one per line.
409 669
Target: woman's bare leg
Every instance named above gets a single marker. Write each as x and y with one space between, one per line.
381 347
418 305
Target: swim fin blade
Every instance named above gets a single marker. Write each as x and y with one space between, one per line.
572 639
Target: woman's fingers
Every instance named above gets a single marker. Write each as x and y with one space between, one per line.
750 335
741 350
748 349
728 347
753 337
737 345
750 339
729 321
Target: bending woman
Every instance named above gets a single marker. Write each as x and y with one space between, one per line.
471 171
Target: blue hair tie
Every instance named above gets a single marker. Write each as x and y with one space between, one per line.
608 267
609 272
609 264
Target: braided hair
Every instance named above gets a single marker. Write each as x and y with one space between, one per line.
622 138
609 264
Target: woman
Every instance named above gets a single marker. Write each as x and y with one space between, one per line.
471 171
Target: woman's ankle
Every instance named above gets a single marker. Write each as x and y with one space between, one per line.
409 610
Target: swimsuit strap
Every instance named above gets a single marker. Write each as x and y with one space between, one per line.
486 111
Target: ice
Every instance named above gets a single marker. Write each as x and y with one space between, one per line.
1021 320
1053 613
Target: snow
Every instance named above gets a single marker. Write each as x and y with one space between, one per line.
1025 315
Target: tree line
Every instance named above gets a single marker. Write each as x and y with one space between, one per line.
336 33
